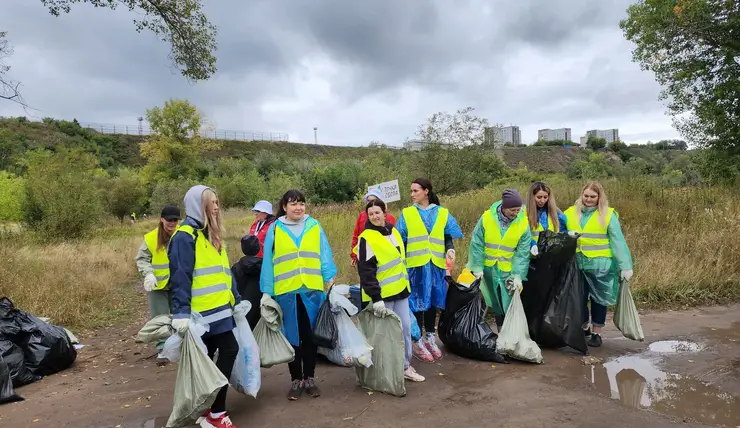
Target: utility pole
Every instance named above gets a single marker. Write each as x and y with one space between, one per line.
316 135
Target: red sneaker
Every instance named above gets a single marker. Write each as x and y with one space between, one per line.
221 422
203 417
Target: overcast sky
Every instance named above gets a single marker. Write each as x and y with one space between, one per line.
358 70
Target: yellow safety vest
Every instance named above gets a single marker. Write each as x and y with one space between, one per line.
539 228
295 267
160 261
422 246
391 272
211 277
594 239
500 250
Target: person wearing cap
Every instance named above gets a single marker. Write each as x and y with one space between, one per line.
263 212
500 252
154 264
362 221
246 273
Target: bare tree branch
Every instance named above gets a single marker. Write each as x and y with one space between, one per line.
8 88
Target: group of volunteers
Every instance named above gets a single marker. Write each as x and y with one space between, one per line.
401 264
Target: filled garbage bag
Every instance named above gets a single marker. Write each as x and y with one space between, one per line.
245 376
274 347
463 329
325 333
156 329
7 393
12 354
352 349
198 379
385 335
513 339
626 317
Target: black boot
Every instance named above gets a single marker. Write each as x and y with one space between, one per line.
595 340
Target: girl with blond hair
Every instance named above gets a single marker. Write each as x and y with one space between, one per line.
603 256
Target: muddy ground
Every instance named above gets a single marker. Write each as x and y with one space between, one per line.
115 383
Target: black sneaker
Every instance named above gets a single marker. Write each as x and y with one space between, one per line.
296 388
595 340
311 389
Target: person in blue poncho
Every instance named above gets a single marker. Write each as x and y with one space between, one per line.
543 213
297 265
427 230
603 256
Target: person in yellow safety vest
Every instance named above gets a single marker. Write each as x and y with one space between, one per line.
427 230
381 263
499 252
297 266
154 265
602 255
201 282
542 212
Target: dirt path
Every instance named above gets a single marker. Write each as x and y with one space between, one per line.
115 384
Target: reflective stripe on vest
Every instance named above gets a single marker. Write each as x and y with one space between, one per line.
211 277
391 274
539 228
500 250
295 267
160 261
594 239
422 246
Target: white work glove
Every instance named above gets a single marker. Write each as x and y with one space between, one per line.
379 308
477 275
180 325
242 308
573 234
534 251
150 282
626 275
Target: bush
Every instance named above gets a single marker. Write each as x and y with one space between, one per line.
594 168
336 182
11 196
124 194
170 192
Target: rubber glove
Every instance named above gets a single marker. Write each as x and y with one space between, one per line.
150 282
512 283
626 275
573 234
451 255
379 308
180 325
242 308
534 251
477 275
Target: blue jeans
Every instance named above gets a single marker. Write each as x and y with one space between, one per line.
598 312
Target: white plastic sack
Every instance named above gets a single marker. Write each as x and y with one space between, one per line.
338 299
626 317
245 376
352 349
513 339
173 344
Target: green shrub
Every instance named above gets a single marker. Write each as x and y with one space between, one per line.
11 196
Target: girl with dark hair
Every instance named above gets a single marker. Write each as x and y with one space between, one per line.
372 195
296 267
427 230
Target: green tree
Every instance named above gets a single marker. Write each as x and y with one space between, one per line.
595 143
594 168
459 129
124 194
11 196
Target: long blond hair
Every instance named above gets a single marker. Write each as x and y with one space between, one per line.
552 207
213 224
603 205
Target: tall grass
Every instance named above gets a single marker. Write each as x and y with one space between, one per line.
682 240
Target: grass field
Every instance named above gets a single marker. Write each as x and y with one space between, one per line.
682 241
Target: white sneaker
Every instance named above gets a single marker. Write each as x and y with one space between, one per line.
411 375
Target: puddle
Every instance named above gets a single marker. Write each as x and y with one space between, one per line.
674 346
637 382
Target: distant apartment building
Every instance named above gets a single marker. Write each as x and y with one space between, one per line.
583 142
500 135
609 135
560 134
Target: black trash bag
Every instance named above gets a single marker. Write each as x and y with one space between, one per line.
325 333
462 327
12 355
7 393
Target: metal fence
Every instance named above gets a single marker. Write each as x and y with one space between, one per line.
219 134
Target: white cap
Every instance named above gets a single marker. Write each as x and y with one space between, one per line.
263 207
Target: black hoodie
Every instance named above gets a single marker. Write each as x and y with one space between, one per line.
247 275
368 267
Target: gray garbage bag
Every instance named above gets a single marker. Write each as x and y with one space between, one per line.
198 379
274 347
513 339
385 335
626 317
156 329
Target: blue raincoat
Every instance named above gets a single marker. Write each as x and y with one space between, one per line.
428 285
312 299
543 217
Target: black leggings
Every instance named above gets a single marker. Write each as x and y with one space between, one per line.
227 348
427 319
304 365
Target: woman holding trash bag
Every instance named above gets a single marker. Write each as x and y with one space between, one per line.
541 213
602 255
499 252
201 282
381 262
297 265
372 195
427 231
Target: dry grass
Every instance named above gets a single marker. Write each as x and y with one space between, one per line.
682 241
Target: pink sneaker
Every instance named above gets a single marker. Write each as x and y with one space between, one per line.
430 343
421 352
